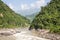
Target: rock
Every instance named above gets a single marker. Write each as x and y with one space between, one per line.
6 33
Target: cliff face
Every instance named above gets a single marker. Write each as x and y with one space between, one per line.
49 17
9 19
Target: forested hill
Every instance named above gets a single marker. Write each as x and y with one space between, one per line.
49 17
10 19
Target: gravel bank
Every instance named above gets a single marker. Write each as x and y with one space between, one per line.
45 34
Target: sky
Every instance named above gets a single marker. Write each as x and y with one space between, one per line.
26 7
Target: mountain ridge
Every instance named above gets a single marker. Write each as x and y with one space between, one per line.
10 19
48 18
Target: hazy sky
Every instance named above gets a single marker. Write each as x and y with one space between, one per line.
26 7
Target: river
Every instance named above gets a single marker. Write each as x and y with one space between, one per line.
23 35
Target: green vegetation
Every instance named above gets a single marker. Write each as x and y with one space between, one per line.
49 17
9 19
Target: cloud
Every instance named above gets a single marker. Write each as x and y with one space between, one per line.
24 7
40 3
34 5
11 6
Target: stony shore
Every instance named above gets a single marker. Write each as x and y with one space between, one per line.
46 34
7 32
41 33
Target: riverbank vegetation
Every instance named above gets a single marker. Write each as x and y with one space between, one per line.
49 17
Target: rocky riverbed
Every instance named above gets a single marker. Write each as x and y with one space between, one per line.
7 32
46 34
25 34
18 34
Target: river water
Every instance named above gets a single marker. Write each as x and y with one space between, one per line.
23 35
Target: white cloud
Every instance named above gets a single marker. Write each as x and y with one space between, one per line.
24 7
11 6
40 3
34 5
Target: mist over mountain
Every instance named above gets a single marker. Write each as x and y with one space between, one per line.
32 16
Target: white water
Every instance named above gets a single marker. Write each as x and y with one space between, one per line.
25 35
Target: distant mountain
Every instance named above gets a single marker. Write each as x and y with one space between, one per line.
31 17
48 18
10 19
27 12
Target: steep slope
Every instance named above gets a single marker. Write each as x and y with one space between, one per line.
49 17
9 18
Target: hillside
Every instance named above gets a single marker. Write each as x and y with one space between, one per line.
10 19
48 18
